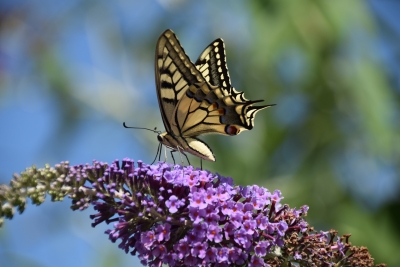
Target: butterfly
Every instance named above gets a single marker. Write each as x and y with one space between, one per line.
197 99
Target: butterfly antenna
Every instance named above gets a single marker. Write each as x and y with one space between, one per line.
159 148
141 128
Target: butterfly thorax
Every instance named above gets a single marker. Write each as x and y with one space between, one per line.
168 140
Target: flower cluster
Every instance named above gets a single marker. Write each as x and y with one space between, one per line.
181 216
185 217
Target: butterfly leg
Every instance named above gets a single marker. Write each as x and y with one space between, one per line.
180 155
165 152
201 164
172 155
183 174
158 153
187 159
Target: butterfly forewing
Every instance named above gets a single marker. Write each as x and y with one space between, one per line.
174 73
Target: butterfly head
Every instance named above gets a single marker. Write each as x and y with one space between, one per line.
160 137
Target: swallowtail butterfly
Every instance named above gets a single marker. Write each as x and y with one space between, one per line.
197 99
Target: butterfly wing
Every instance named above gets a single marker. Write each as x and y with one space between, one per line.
212 65
174 74
206 109
218 108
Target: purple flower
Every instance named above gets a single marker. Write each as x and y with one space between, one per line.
237 218
238 208
199 249
277 197
222 255
297 256
192 180
191 260
148 239
214 233
221 194
159 251
210 196
199 230
262 222
211 209
179 216
199 200
227 207
182 249
261 248
281 227
170 259
211 255
212 218
257 203
196 214
256 262
192 238
163 232
234 254
249 226
173 203
242 238
340 247
229 230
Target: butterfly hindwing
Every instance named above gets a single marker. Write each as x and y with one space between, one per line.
208 109
212 65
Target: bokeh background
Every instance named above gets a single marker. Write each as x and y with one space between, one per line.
72 71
